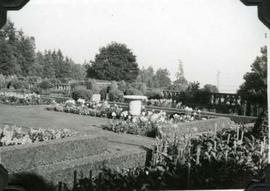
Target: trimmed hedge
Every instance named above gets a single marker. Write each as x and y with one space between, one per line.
154 94
115 158
25 157
82 93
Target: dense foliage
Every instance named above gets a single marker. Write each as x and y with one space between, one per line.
254 89
154 94
114 62
154 79
82 93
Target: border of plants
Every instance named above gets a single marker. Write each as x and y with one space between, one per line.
236 118
23 157
58 99
202 126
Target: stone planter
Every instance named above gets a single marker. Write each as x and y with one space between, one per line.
135 103
96 98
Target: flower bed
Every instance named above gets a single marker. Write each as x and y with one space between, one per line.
146 124
149 123
22 98
115 111
91 108
13 135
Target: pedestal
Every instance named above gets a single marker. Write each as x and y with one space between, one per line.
135 107
135 103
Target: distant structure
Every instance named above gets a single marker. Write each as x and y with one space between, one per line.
218 76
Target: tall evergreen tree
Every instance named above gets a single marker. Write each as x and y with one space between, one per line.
7 59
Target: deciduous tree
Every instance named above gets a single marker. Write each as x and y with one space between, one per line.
114 62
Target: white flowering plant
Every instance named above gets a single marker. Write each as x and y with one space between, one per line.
13 135
149 123
16 98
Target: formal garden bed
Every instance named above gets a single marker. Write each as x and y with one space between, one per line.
28 149
147 124
14 135
15 98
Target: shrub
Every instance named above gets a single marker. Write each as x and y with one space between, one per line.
17 84
55 81
122 86
45 85
116 95
140 86
91 84
35 89
34 79
133 91
81 93
113 86
2 81
103 93
154 94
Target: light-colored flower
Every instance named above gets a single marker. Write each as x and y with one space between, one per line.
113 114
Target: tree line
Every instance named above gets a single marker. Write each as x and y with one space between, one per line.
18 57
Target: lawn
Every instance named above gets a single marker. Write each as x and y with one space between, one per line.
39 117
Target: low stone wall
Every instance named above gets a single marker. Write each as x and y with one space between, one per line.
23 157
201 126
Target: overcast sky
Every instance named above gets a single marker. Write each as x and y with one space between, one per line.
207 35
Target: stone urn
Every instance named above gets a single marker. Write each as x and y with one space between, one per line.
96 98
135 103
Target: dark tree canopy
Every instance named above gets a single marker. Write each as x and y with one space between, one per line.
114 62
254 89
210 88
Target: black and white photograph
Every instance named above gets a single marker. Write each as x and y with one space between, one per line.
115 95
